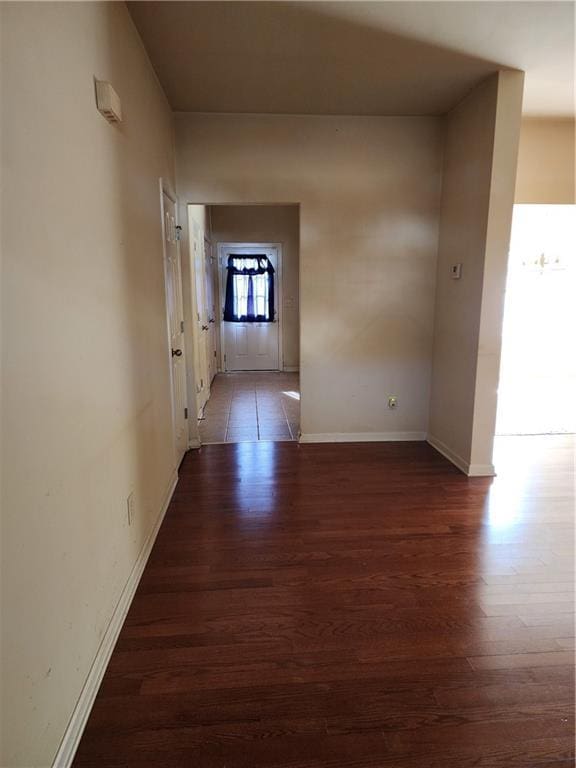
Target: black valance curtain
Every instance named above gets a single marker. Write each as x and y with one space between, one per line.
249 290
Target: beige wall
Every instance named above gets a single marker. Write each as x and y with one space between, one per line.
477 198
369 194
85 400
546 161
268 224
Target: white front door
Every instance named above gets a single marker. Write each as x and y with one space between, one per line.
250 345
173 277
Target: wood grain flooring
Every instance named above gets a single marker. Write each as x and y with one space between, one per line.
350 606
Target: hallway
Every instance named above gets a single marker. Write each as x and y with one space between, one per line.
316 568
360 605
248 407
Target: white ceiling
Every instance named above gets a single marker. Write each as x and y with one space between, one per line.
378 58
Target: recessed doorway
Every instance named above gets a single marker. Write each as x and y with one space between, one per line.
244 276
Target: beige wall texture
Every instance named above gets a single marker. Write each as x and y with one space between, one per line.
86 400
546 161
269 224
480 155
369 195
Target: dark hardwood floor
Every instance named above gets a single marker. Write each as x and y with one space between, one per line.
350 606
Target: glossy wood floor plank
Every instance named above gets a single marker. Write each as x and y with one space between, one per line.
350 606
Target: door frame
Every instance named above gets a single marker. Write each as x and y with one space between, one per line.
223 249
166 189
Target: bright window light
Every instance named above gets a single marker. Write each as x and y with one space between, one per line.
538 369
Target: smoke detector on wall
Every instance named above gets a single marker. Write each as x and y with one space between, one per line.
108 102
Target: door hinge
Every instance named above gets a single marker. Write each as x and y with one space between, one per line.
214 353
185 413
181 326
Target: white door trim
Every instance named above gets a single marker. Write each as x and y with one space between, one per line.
223 249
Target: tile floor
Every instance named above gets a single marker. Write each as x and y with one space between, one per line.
247 407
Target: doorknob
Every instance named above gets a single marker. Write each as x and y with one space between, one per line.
176 353
204 327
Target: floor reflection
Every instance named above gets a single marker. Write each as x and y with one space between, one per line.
365 600
527 564
255 481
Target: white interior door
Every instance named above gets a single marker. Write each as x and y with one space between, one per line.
210 310
251 346
173 276
201 324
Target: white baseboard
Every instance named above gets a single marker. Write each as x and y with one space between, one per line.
361 437
291 369
75 729
471 470
194 443
481 470
457 460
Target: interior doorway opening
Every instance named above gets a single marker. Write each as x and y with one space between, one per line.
244 288
538 364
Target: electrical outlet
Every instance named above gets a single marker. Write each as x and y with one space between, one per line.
392 401
456 271
131 505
